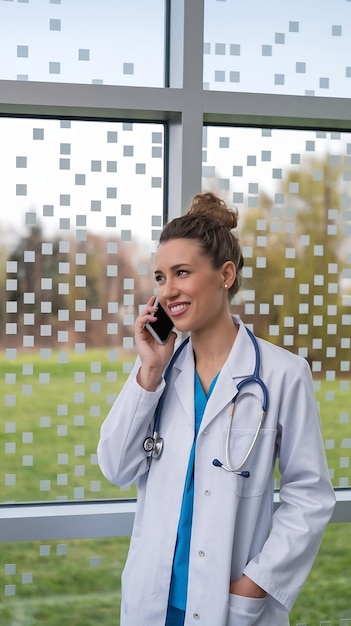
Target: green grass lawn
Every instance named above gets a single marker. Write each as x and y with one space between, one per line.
51 430
49 433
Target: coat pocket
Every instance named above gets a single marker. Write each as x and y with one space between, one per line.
245 611
260 462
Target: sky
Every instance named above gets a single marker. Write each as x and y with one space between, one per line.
91 40
115 42
274 36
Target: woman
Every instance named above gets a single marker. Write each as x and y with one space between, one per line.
206 546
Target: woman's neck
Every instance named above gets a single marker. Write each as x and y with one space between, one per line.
212 348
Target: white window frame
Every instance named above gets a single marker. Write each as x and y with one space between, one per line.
184 107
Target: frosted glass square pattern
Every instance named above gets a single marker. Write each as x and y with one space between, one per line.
62 582
93 42
292 190
292 47
77 236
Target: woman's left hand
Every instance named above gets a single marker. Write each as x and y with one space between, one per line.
244 586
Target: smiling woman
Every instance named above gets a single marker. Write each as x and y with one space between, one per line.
198 255
239 566
193 292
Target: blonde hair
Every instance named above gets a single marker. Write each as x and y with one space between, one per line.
210 222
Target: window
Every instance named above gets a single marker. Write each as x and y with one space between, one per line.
111 117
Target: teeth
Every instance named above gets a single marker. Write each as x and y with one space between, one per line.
179 307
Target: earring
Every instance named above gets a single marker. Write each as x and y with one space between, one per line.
225 286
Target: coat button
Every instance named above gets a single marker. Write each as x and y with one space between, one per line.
207 492
202 553
196 615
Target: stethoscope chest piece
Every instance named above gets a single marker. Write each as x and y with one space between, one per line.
153 446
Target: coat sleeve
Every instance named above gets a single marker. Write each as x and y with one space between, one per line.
120 452
306 495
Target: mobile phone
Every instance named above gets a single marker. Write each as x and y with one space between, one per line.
162 327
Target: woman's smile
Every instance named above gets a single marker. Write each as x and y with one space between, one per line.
176 309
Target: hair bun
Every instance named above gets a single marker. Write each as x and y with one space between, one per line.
213 208
210 223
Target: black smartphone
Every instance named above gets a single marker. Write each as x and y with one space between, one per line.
162 327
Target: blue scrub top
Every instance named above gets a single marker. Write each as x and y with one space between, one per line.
179 580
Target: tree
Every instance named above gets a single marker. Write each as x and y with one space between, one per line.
67 291
304 259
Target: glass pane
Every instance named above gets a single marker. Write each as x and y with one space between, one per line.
292 47
53 583
321 603
101 41
293 193
80 216
77 582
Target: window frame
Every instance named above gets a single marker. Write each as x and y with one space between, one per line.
184 108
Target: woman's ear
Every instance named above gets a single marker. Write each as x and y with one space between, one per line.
229 274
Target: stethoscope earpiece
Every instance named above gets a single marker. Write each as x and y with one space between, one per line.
244 473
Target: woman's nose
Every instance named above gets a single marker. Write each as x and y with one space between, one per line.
168 289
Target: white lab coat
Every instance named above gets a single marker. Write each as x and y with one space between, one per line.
233 531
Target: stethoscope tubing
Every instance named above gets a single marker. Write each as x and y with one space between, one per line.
153 446
255 377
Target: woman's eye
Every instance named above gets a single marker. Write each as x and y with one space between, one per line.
182 272
158 278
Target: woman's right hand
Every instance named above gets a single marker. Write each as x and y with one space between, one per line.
154 357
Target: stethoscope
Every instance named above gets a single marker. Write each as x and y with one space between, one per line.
153 446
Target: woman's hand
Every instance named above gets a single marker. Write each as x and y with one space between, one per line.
154 357
244 586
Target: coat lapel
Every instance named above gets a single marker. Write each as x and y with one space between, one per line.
184 383
239 365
